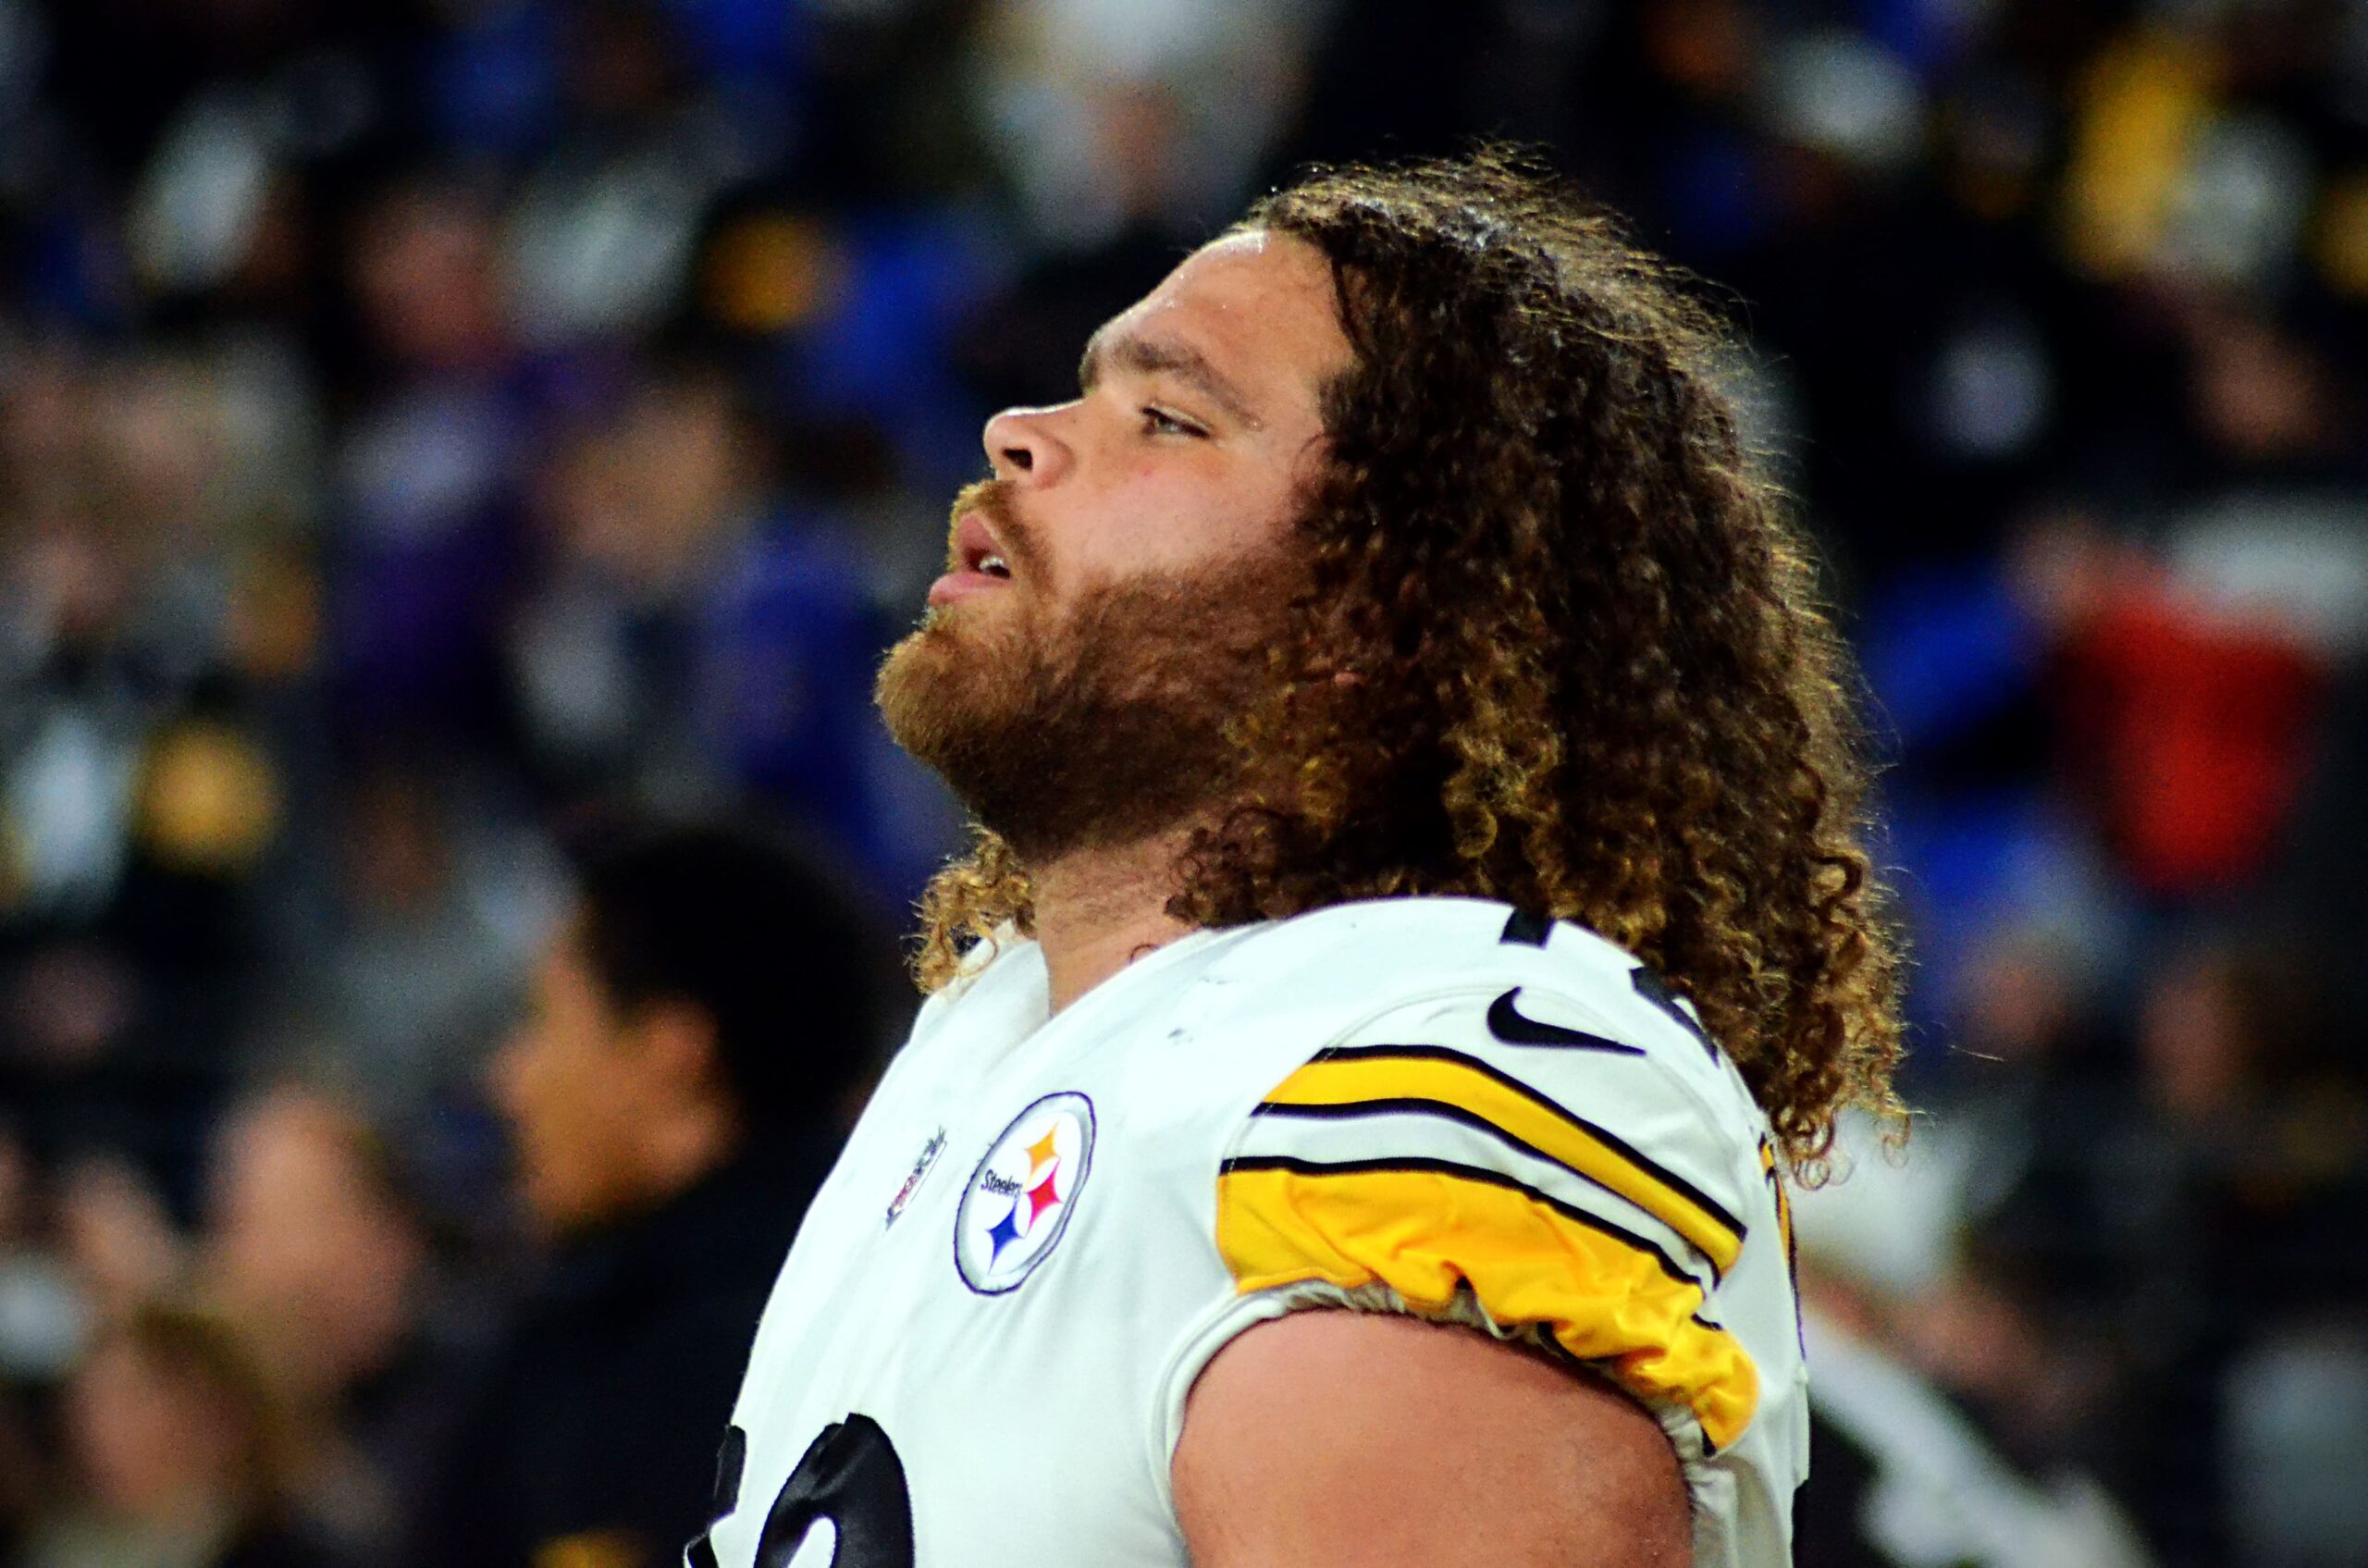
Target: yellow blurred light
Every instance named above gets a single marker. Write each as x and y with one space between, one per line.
2341 245
2138 111
210 802
771 271
591 1549
15 864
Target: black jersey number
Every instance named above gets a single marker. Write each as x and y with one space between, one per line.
850 1476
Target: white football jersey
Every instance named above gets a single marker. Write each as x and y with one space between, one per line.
1042 1228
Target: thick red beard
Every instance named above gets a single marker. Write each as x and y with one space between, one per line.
1101 727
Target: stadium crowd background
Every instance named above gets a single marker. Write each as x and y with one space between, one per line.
423 421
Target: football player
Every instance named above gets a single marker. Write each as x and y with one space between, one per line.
1418 924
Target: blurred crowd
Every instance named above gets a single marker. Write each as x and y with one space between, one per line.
425 421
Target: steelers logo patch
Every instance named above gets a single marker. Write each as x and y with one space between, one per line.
1018 1200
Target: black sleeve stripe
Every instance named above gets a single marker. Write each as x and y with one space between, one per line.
1649 984
1528 928
1575 1215
1612 1141
1445 1112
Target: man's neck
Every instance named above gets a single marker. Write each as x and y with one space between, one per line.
1098 911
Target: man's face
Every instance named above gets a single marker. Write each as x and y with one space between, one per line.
568 1083
303 1239
1112 591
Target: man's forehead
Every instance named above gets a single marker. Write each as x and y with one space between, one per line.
1272 280
1256 301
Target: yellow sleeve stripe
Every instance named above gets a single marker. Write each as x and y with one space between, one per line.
1422 1078
1783 1200
1423 1228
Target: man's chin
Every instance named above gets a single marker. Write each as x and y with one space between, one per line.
945 639
915 661
1103 727
924 685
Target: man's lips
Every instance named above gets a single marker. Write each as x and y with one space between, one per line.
957 586
980 562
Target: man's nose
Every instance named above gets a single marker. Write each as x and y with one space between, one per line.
1024 448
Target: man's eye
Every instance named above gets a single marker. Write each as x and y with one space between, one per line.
1159 422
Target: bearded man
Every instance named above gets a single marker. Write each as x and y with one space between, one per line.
1417 926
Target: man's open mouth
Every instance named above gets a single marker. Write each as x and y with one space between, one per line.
978 551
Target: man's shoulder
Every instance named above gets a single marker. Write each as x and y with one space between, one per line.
1432 938
1386 1032
1526 979
1469 1112
1403 947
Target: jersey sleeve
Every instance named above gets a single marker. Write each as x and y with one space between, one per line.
1520 1162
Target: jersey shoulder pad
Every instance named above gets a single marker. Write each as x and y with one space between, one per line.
1334 967
1544 1141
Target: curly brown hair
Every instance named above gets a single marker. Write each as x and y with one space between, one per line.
1561 645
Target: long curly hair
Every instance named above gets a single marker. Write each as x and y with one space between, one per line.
1561 646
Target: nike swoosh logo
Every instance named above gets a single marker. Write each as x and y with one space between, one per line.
1513 1027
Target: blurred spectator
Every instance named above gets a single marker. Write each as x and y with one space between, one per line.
307 1239
118 1242
412 964
425 512
2262 1167
141 792
1106 116
2195 729
177 1446
1902 1471
699 1036
701 630
313 1242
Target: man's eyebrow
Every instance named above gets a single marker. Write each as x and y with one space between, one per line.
1153 356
